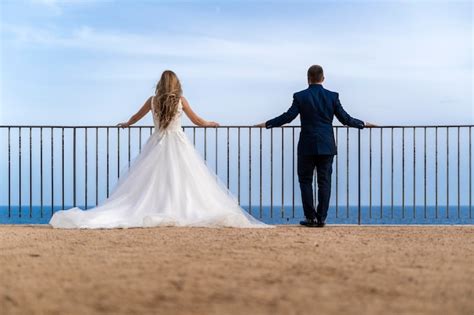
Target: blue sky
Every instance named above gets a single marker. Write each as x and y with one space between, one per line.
95 62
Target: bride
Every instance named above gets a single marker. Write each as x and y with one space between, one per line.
169 183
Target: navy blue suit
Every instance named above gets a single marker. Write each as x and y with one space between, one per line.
316 146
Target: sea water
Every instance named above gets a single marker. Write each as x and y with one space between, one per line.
289 214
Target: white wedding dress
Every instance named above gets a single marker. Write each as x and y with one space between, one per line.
168 184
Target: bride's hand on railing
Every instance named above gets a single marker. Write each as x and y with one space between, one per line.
123 125
212 124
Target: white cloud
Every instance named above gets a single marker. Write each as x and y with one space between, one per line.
57 6
367 56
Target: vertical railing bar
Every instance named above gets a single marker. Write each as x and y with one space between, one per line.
260 175
282 173
129 148
228 158
52 171
381 170
403 172
337 174
391 175
271 173
31 174
74 167
250 172
470 174
238 164
194 135
151 130
19 171
436 171
347 172
424 171
97 166
139 139
205 144
85 167
447 172
414 172
107 166
217 155
62 167
358 179
118 152
370 173
9 174
459 174
293 172
41 171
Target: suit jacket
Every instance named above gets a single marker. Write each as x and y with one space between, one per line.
317 108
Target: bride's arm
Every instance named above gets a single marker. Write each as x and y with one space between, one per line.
138 115
194 117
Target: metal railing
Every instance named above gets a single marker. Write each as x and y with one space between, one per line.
423 174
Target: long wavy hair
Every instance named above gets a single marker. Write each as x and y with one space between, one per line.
167 95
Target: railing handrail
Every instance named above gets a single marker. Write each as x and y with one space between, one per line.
228 126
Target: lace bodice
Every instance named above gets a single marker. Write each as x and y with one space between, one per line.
175 124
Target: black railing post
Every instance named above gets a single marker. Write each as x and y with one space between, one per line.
9 175
107 163
52 170
358 181
31 174
62 168
85 168
74 167
19 172
41 170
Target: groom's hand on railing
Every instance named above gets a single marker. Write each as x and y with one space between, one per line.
369 125
261 125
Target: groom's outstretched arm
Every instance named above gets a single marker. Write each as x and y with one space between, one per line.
286 117
345 118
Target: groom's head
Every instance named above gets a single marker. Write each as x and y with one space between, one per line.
315 74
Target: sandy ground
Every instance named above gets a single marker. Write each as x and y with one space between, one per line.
287 270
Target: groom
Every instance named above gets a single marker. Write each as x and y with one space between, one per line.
316 146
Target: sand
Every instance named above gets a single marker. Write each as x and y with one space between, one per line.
287 270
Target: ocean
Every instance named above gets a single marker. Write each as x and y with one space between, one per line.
292 215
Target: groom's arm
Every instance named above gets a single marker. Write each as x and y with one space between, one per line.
286 117
345 118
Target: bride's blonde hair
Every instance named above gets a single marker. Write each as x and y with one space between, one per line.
167 95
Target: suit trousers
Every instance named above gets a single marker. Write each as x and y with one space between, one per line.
306 166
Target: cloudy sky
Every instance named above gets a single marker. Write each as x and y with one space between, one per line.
86 62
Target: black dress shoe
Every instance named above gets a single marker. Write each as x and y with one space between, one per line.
320 224
309 223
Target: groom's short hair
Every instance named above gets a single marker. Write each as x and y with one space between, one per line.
315 74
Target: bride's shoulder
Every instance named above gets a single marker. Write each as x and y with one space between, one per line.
183 101
150 101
